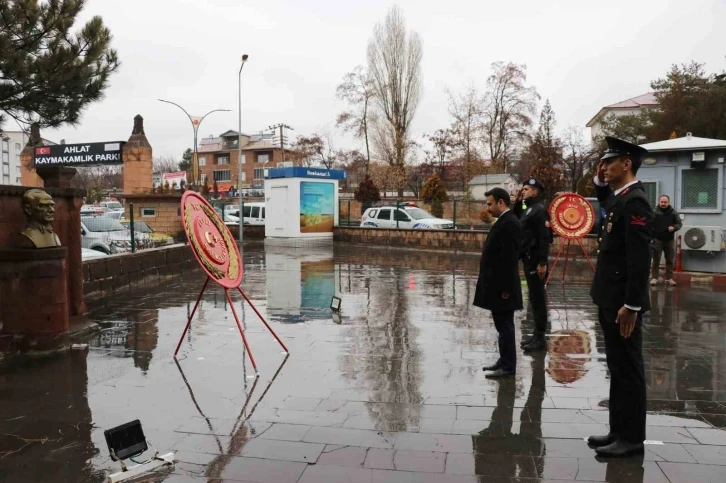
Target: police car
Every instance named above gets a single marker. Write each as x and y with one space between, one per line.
404 216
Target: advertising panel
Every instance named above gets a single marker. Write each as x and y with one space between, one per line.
317 207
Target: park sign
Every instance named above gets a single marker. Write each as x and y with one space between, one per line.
86 154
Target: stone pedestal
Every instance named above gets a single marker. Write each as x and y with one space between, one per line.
56 176
34 300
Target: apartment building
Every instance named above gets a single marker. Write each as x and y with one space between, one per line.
11 145
218 160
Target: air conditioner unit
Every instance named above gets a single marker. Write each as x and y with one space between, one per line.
703 238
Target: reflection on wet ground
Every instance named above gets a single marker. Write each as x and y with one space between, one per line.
390 391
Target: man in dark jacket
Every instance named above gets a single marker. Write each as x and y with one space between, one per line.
533 218
666 223
498 288
620 290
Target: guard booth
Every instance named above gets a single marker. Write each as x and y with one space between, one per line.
301 203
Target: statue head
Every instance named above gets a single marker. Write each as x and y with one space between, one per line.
38 207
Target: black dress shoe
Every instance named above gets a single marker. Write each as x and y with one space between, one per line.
526 340
493 367
597 441
538 343
499 373
620 449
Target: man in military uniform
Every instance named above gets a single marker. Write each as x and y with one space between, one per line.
620 290
533 218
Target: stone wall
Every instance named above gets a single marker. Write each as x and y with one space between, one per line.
452 240
167 212
118 273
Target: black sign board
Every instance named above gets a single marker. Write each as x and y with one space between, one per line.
86 154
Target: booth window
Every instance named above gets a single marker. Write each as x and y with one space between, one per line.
701 189
651 192
148 211
222 175
259 173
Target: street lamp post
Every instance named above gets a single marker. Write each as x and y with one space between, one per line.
239 147
196 122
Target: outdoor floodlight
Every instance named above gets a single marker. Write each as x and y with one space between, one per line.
335 304
125 442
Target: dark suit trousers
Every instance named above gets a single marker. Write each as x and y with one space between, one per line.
627 377
504 323
537 295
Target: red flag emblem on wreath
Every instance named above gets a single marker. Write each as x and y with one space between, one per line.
637 220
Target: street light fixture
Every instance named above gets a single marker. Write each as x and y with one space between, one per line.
239 148
196 122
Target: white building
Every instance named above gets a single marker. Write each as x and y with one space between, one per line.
11 145
485 182
636 105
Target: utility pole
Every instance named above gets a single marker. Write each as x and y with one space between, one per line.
281 127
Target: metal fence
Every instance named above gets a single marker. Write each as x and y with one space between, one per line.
465 215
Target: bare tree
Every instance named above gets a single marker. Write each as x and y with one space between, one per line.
394 67
166 164
510 104
357 90
315 149
467 109
578 158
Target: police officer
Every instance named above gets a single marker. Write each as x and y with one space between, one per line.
535 250
620 291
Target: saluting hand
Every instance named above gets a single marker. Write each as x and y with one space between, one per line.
627 320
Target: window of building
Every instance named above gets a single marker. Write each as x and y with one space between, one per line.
6 145
223 159
6 179
202 161
6 169
259 173
17 146
148 212
202 177
6 158
243 159
243 176
263 157
652 192
17 180
701 189
17 170
222 175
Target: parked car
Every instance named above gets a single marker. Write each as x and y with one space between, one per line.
87 254
157 237
404 216
254 214
108 236
89 210
112 205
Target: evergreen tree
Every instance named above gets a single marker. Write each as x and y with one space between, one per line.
49 74
545 152
434 193
186 163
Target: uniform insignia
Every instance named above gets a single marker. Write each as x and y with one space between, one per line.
625 191
531 181
637 220
529 210
610 227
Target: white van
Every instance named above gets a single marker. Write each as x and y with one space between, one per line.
254 214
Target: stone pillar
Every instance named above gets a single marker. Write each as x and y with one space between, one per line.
138 161
33 300
28 176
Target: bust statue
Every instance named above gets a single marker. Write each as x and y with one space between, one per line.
39 209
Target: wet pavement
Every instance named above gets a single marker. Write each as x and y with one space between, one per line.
391 391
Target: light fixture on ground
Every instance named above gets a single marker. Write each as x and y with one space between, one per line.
127 441
335 304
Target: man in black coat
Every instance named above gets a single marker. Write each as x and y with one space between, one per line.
620 290
666 223
534 219
498 288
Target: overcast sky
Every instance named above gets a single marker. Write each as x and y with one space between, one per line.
581 55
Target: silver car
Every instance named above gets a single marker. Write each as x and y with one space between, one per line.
108 236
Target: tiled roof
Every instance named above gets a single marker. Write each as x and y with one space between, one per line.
644 100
